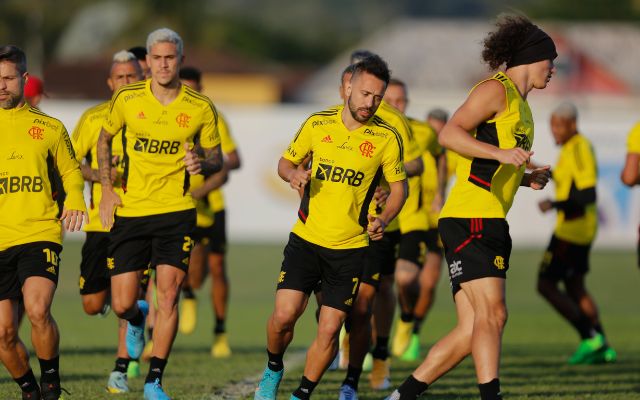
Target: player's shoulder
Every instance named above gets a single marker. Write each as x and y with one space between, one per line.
130 91
382 128
196 98
97 111
43 120
635 131
326 117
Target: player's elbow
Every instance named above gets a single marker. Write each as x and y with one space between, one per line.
629 178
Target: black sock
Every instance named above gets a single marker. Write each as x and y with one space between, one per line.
406 317
490 390
220 328
584 327
353 377
150 332
137 319
347 325
411 388
50 370
156 369
305 389
27 382
275 361
381 349
187 292
121 365
417 324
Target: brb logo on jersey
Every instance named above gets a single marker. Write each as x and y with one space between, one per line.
153 146
326 172
14 184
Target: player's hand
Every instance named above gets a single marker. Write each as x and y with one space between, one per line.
191 160
299 178
376 227
516 156
545 205
380 196
539 177
72 219
110 200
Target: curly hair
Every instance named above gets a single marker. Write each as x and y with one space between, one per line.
501 44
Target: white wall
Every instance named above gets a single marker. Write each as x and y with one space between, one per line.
262 207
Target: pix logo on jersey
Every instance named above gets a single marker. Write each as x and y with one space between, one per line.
326 172
36 133
153 146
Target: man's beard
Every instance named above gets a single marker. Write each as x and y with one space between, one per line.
11 102
354 112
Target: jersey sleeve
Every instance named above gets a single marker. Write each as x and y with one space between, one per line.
115 117
226 140
411 150
392 160
209 133
300 146
633 140
69 170
82 143
585 174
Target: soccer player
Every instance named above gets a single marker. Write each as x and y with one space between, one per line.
630 175
156 215
94 273
377 276
493 133
210 236
352 149
30 230
434 182
567 257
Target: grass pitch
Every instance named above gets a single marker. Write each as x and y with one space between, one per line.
537 342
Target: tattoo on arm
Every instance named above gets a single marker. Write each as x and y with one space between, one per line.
212 162
104 158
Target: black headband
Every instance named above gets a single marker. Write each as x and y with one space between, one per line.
537 46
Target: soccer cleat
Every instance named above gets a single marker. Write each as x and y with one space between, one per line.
347 392
393 396
35 395
268 386
587 350
610 355
603 356
188 315
401 338
51 391
379 376
294 397
412 353
343 351
117 382
153 391
133 370
135 333
220 347
148 350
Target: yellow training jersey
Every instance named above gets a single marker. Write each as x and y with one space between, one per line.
452 162
31 146
155 180
396 119
633 140
85 140
346 168
427 141
485 188
576 169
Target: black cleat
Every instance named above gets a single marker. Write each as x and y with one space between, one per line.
52 391
35 395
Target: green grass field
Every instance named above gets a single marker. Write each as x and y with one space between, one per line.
536 342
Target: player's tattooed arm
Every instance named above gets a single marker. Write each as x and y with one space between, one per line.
212 161
103 150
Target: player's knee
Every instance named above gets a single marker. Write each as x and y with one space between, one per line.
283 319
91 306
122 307
545 287
362 308
39 314
499 316
8 336
167 298
328 334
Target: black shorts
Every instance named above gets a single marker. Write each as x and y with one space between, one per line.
20 262
213 237
381 258
94 275
139 242
475 248
564 259
339 271
413 247
434 244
